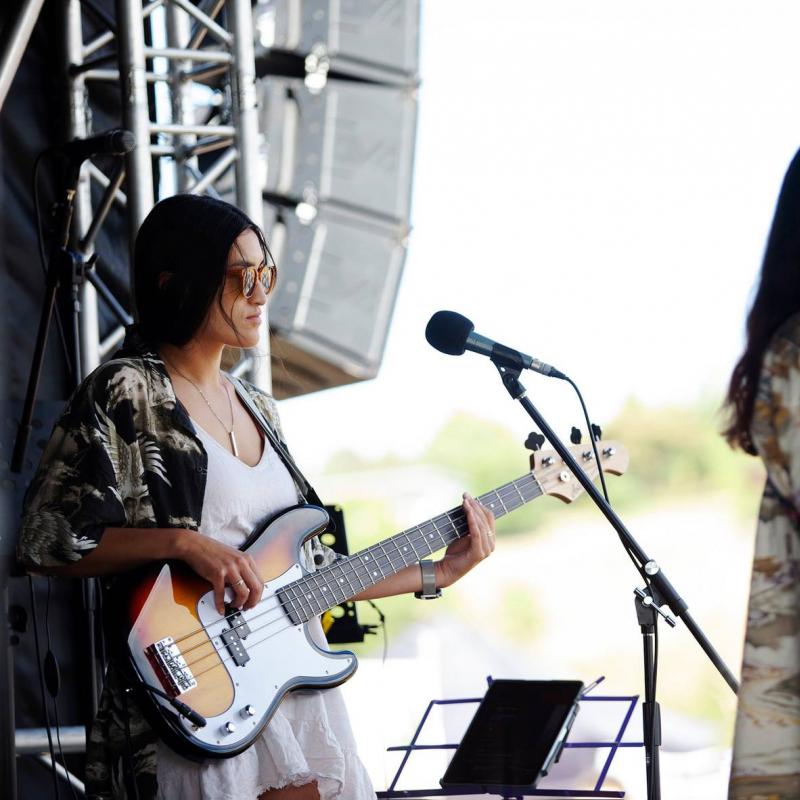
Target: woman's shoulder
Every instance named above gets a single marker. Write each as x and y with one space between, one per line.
135 379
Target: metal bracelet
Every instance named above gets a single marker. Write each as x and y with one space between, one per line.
429 590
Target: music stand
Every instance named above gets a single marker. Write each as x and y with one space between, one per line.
613 745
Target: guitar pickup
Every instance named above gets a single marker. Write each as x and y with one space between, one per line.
237 622
170 666
233 641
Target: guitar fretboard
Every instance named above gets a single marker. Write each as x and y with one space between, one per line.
345 578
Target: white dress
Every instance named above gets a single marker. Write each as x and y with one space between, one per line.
309 737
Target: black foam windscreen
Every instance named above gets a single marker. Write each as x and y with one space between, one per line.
447 331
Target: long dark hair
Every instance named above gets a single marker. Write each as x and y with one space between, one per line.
188 237
777 298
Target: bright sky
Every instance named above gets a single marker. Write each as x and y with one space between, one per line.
594 184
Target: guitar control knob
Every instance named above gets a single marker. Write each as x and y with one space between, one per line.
228 728
248 711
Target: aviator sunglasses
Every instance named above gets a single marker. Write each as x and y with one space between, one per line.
266 275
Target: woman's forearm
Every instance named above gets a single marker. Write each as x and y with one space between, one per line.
405 581
122 549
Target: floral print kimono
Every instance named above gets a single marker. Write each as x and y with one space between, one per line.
766 755
124 453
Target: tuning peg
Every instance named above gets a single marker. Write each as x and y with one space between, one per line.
575 436
597 432
534 441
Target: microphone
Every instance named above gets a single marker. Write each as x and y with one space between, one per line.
452 333
115 142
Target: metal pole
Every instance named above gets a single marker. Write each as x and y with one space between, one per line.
135 114
245 115
179 29
88 328
14 42
78 127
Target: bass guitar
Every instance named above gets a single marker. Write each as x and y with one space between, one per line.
209 683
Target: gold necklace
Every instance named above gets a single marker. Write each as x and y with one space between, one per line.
231 434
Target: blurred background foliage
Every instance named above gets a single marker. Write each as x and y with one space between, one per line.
676 453
676 456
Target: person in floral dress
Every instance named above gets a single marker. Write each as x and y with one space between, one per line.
764 403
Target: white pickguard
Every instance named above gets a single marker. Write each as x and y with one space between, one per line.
282 656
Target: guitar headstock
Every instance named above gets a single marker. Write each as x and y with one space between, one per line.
555 477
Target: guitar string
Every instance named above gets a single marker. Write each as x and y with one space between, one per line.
510 489
319 577
418 530
282 616
280 607
250 647
419 533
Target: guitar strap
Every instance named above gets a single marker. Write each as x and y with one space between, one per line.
306 489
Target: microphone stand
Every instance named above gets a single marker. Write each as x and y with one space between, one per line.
659 590
65 267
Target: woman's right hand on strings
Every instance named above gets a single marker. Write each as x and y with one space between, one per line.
222 565
122 549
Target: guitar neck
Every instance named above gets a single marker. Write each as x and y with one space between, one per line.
347 577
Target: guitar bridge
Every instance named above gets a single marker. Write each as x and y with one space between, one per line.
170 666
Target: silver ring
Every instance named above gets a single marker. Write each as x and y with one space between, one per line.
240 581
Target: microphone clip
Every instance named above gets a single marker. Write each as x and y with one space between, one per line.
503 356
510 377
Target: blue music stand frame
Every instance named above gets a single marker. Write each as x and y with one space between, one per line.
453 791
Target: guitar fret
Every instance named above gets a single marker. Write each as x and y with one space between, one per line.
376 574
305 606
293 612
343 579
330 591
357 574
421 538
405 549
500 498
444 541
312 597
387 560
488 500
353 590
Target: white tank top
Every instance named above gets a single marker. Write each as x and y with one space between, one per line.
239 497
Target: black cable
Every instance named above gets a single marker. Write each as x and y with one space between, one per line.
184 710
591 436
382 621
128 747
55 697
631 555
43 257
41 687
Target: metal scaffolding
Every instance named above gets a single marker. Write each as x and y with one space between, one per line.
194 48
203 45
